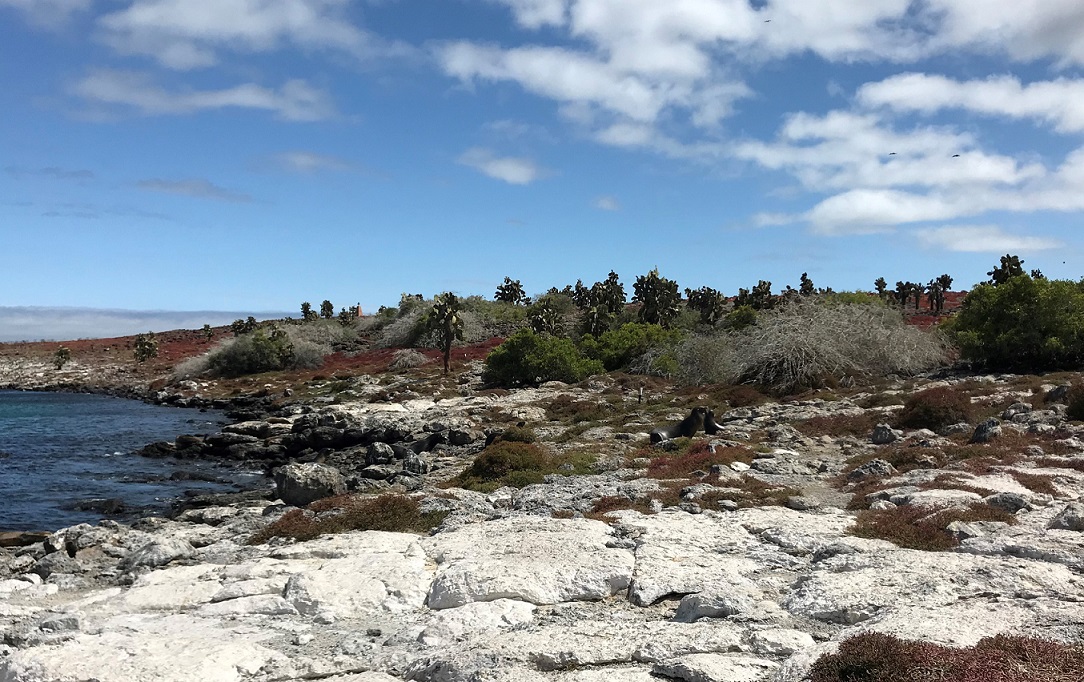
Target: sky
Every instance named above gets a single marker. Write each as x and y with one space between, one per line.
248 155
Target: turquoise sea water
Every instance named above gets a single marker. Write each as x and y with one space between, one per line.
60 450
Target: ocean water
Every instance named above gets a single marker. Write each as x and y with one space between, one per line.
60 450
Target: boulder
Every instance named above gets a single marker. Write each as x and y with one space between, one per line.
301 484
986 431
158 552
532 559
379 453
875 467
883 434
1069 518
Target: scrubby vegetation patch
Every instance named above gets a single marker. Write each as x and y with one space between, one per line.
922 528
875 657
342 513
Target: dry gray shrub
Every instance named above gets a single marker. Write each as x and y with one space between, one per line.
406 358
405 331
810 340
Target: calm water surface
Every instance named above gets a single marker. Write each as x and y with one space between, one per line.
58 450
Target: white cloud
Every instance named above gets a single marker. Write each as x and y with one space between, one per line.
48 13
514 171
1024 30
842 150
981 239
536 13
198 188
1059 102
296 100
310 162
187 34
606 203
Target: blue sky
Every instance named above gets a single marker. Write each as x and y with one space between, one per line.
252 154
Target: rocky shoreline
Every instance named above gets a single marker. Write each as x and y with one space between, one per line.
533 583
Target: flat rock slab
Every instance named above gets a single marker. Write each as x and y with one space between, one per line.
532 559
163 648
848 589
717 668
679 553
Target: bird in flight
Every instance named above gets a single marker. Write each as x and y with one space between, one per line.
891 153
955 156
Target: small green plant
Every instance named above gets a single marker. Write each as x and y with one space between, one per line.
935 408
740 317
145 347
527 359
307 313
239 326
252 354
61 357
207 332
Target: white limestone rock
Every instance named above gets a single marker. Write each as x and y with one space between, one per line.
848 589
716 668
457 624
167 648
533 559
780 642
385 572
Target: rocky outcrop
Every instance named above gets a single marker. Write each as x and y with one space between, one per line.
517 584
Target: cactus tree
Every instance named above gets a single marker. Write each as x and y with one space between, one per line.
445 320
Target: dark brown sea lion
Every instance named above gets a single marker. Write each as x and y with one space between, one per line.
687 428
710 427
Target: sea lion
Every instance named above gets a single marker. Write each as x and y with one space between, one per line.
687 428
710 427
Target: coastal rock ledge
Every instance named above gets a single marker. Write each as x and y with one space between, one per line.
753 595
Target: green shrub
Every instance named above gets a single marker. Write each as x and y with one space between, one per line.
528 359
516 464
251 354
146 347
935 408
519 434
617 348
1022 324
740 317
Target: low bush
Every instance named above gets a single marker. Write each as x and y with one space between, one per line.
517 464
519 434
251 353
697 455
812 340
392 513
860 425
876 657
1022 324
935 408
528 359
565 408
406 358
617 348
922 528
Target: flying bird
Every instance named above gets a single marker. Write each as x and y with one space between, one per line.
955 156
891 153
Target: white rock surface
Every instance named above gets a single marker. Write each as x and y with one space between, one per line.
532 559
